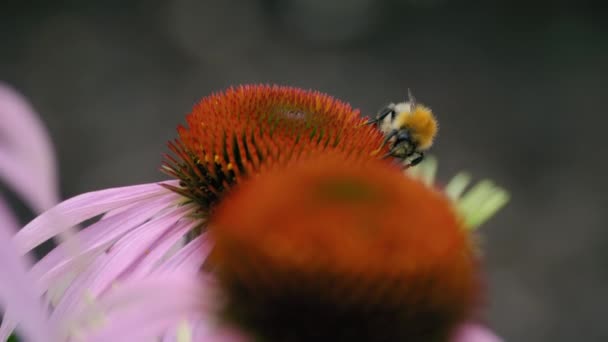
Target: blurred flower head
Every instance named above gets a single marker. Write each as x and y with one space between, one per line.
335 249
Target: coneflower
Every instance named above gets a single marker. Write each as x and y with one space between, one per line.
160 230
338 251
244 131
229 137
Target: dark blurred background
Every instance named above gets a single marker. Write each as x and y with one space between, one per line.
518 86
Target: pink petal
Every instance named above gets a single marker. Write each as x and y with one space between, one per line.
9 323
80 208
109 266
189 258
472 332
27 161
16 292
161 247
8 221
135 311
94 239
205 330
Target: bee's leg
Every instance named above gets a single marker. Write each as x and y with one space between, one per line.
384 113
381 115
388 137
391 153
418 159
388 154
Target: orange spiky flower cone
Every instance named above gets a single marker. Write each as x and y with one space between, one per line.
238 133
335 249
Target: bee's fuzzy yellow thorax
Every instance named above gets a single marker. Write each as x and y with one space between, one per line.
421 123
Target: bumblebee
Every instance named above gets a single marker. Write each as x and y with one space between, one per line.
409 127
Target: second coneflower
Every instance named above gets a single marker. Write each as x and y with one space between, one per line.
339 251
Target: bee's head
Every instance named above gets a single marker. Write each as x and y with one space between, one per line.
403 146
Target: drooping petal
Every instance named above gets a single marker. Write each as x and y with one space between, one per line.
135 311
182 333
109 266
82 248
159 249
95 239
27 161
80 208
203 330
16 291
188 259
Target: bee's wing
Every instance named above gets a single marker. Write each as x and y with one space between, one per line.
411 99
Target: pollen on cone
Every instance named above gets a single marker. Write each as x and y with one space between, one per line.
332 249
245 130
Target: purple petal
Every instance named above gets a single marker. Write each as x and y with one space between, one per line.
80 208
94 239
135 311
8 221
206 330
161 247
27 161
9 323
472 332
16 292
189 258
109 266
